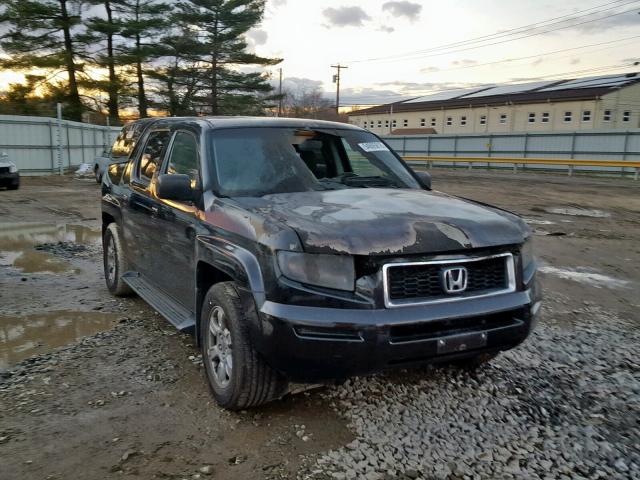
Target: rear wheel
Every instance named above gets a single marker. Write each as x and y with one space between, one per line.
237 374
115 264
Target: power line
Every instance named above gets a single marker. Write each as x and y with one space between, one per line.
488 38
507 60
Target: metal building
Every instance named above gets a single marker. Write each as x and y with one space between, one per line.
609 102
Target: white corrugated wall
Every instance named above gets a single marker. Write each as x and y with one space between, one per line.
32 143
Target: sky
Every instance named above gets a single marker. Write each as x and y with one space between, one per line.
572 38
399 49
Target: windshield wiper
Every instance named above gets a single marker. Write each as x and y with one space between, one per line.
372 181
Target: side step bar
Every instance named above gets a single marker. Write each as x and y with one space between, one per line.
180 317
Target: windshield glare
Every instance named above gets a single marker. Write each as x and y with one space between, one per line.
252 162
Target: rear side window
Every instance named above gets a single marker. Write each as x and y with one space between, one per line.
183 158
152 155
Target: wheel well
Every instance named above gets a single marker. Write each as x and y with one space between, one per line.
106 220
206 276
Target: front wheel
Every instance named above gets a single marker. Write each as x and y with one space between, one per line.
115 264
237 374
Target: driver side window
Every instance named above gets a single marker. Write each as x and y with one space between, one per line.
152 155
184 158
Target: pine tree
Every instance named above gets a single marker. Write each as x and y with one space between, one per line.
217 39
41 35
142 22
102 30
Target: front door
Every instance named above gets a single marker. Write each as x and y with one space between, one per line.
177 221
139 217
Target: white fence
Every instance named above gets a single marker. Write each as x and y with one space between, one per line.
588 145
41 146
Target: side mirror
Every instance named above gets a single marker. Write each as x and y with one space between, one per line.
175 187
425 179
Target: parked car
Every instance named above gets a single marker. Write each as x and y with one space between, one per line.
9 173
302 250
121 149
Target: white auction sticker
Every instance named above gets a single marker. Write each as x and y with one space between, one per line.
373 147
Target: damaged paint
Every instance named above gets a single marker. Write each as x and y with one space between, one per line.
380 221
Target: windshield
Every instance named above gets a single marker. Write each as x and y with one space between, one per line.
250 162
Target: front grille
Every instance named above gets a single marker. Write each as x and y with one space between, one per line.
423 281
4 169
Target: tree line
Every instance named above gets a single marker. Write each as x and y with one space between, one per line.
188 57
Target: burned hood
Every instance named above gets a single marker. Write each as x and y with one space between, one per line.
379 221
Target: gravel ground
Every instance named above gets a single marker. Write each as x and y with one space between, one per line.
132 403
565 405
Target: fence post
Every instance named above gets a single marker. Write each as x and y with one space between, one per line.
82 143
404 145
524 151
59 138
52 148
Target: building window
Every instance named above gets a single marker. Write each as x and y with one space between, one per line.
379 123
433 121
394 123
483 119
606 116
568 116
449 121
463 121
545 117
532 118
586 115
626 116
503 118
423 122
386 123
405 123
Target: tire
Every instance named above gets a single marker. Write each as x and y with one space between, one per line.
238 376
97 175
15 186
114 261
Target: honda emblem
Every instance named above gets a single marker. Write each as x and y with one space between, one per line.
454 279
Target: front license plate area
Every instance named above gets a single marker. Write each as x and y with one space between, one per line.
462 342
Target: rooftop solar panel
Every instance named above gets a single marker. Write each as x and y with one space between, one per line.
448 95
508 89
592 82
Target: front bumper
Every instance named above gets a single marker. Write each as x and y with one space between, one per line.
9 179
311 344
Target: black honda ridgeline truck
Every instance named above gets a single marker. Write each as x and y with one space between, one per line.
305 250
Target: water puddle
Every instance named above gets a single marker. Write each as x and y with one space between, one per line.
583 275
24 337
35 248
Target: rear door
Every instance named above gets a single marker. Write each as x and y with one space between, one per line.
175 265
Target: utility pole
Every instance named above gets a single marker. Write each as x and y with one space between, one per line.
281 100
336 80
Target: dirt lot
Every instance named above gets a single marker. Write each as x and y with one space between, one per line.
93 387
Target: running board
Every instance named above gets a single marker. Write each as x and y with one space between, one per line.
180 317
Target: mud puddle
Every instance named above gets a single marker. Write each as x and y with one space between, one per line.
44 248
25 336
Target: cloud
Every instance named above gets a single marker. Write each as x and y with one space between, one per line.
257 36
386 29
630 19
278 3
429 70
403 8
346 16
575 61
537 62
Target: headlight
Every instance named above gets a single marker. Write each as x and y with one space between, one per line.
13 168
528 260
329 271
